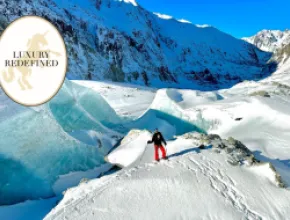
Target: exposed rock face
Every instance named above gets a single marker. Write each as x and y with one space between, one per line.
283 54
260 93
121 41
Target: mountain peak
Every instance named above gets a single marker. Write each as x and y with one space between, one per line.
270 40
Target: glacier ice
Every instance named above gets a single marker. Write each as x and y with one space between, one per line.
76 107
39 144
72 132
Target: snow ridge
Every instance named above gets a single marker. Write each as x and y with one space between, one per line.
224 187
163 16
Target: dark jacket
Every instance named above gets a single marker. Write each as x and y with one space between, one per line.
157 139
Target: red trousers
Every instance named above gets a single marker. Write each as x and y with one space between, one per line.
157 147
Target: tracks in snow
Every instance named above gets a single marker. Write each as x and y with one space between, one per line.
220 183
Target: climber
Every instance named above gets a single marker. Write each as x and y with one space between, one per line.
157 139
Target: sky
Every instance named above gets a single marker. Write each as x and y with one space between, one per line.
240 18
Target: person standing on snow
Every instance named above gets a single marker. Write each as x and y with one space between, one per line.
157 139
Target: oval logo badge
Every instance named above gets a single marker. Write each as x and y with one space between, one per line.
33 60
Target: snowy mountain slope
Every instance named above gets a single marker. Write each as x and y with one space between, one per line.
121 41
193 184
270 40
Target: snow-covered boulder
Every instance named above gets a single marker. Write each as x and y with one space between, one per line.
131 150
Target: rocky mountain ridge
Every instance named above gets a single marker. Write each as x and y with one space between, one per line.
275 41
121 41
